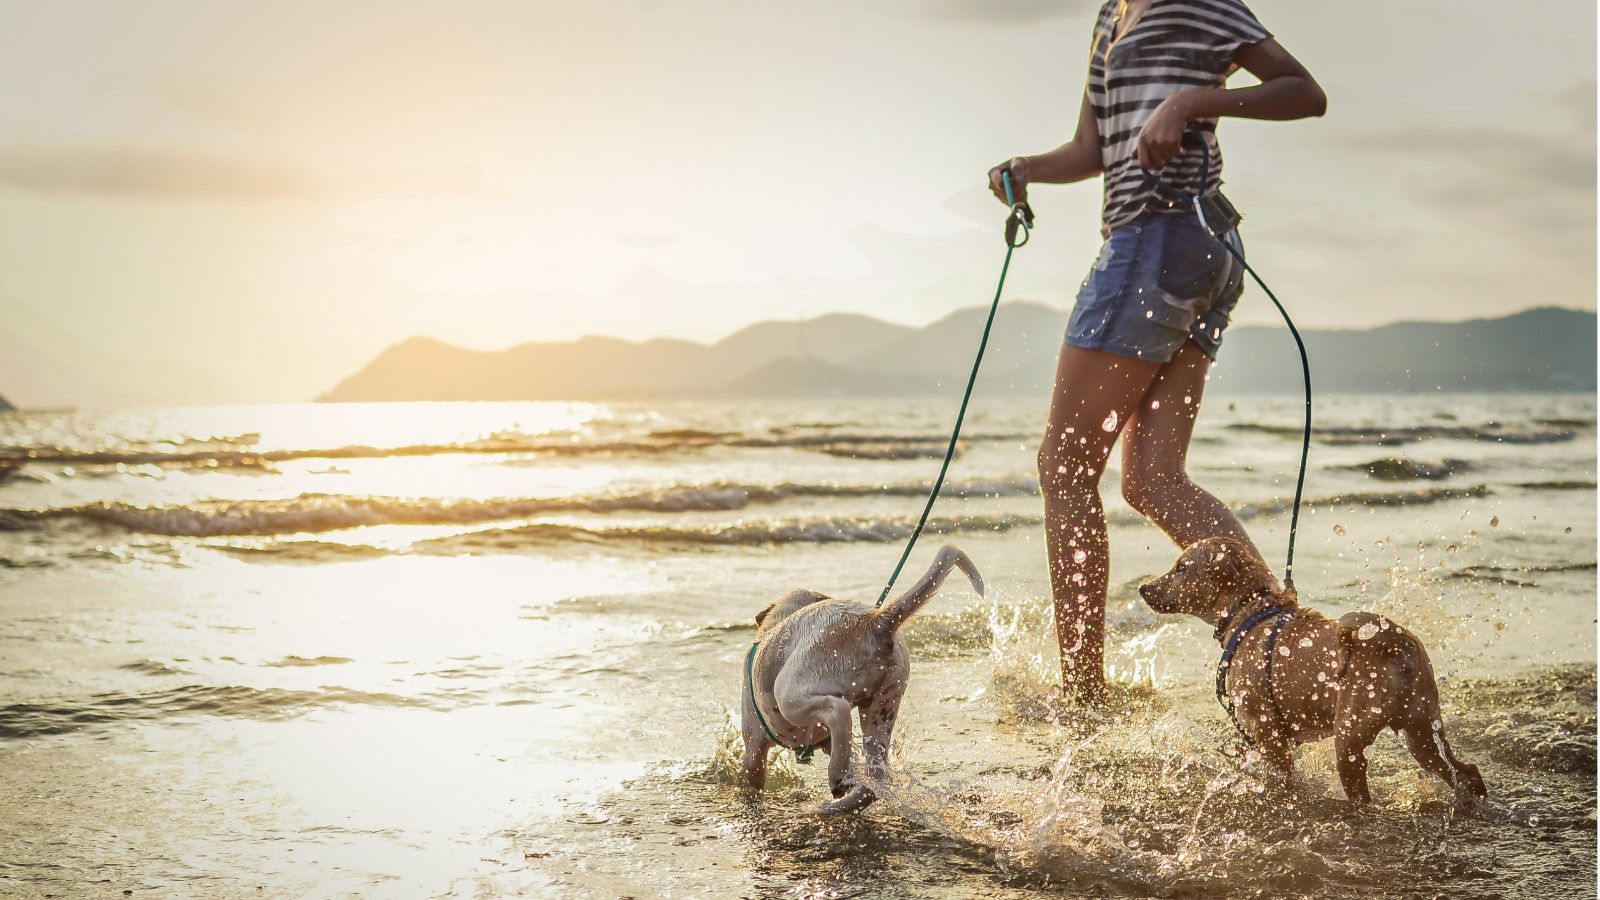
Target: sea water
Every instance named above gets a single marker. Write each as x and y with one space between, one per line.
485 649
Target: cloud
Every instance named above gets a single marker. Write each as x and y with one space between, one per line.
148 173
1535 188
641 239
207 99
1002 12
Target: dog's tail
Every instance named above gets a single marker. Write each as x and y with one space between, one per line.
888 619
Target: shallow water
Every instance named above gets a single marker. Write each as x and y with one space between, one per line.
490 649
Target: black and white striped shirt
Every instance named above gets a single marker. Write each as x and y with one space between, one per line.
1176 45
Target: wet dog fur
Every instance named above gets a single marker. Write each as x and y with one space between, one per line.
1348 679
818 659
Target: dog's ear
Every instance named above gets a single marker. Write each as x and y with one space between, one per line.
1242 568
762 616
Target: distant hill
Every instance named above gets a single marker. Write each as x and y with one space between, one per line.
846 354
4 406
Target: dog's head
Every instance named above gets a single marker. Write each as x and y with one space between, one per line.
783 608
1212 575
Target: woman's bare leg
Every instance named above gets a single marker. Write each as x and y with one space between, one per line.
1155 451
1095 393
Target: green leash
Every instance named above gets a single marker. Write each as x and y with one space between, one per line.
1021 220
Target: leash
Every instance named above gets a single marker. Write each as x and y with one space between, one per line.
1222 219
1020 219
1283 616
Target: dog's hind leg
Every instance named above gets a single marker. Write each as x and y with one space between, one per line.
1428 746
834 714
1350 745
877 729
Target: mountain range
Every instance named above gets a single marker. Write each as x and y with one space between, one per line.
850 354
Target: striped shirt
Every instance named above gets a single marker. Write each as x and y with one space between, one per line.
1176 45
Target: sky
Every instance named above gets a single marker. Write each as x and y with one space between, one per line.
216 201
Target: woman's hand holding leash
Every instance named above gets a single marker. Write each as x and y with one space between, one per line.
1161 139
1018 167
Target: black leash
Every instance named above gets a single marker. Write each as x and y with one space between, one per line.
1218 217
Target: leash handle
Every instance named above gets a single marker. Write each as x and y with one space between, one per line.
1020 217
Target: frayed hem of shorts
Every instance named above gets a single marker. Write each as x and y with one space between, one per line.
1138 353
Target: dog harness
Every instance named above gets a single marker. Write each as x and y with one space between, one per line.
801 754
1282 617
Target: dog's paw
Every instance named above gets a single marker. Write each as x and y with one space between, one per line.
857 798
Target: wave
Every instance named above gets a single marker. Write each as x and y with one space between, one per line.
319 513
657 442
1341 435
1417 497
310 513
1557 485
1399 468
24 720
841 530
1508 575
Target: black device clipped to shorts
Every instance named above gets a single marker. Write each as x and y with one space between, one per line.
1217 213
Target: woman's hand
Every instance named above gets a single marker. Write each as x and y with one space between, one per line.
1162 136
1019 179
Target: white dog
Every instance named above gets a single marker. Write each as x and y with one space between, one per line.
816 659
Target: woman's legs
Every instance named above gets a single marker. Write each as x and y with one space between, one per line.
1154 453
1095 394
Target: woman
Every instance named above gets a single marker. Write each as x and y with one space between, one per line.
1150 316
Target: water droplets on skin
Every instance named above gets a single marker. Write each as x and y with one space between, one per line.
1339 530
1078 556
1110 424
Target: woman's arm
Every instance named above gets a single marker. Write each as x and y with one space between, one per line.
1075 160
1287 91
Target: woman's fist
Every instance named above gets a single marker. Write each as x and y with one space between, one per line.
1018 166
1161 139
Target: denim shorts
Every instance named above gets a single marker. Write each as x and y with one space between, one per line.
1159 280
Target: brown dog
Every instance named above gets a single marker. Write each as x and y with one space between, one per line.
1296 676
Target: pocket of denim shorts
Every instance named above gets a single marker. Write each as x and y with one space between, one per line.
1191 262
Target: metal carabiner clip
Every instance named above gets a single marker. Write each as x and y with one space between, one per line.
1021 215
1200 212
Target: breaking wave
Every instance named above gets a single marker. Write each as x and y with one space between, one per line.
1399 468
309 513
24 720
783 531
1338 435
316 513
666 441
